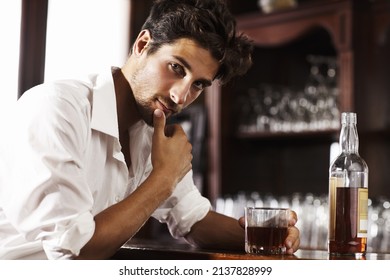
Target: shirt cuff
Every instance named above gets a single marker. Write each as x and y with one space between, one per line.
190 209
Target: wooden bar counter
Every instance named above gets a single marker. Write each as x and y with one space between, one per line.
144 249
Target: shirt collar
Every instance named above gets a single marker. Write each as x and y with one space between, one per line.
104 113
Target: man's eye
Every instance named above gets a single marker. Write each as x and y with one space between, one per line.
199 85
178 69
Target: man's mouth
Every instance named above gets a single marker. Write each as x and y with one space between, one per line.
166 109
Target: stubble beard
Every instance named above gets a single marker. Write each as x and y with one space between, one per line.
144 108
146 102
144 105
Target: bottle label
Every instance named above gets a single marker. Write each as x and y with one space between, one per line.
332 207
362 213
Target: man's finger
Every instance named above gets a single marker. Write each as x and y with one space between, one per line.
293 218
159 122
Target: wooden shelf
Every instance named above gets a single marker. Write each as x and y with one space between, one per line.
328 133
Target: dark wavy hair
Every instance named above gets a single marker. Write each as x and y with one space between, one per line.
210 24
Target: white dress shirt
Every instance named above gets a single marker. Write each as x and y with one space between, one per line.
61 164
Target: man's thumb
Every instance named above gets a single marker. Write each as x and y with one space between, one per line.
158 120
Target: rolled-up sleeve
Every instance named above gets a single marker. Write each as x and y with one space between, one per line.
70 238
183 208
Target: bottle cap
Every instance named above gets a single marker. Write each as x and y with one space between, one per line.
348 118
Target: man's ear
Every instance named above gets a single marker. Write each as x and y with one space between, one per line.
141 42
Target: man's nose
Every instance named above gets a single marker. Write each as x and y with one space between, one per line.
180 92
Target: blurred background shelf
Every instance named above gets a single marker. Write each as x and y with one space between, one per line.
356 35
313 134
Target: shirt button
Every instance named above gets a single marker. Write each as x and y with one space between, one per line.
117 198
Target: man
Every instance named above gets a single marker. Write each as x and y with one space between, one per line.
87 162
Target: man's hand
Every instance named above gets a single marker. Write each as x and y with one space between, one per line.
171 150
292 240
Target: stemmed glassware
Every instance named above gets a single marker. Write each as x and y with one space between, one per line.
277 108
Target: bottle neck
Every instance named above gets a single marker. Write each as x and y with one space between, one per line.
349 140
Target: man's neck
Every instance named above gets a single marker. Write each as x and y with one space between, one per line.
125 102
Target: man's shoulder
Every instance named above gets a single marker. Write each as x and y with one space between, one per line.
77 86
75 90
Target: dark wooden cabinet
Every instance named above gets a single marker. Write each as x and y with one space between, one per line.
356 34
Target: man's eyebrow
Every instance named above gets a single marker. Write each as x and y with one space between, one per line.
206 82
184 62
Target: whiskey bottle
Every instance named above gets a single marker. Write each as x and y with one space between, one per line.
348 194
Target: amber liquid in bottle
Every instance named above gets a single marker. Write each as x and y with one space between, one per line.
346 240
348 195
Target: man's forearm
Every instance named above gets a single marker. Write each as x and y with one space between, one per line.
118 223
217 231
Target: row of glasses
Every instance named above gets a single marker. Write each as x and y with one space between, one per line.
313 216
277 108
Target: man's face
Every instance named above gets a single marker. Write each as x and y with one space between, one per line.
171 78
